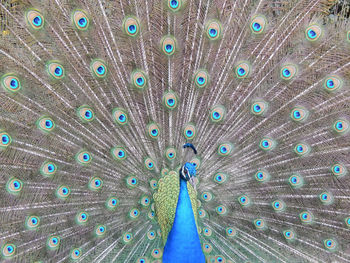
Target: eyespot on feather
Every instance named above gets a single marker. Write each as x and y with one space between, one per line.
112 203
11 83
83 157
175 5
63 192
85 113
278 205
313 32
267 144
339 170
131 182
170 100
259 108
262 176
81 218
14 186
296 181
260 224
217 113
299 114
168 45
332 83
242 70
98 68
302 149
131 26
220 178
127 238
306 217
6 140
48 169
134 213
189 131
34 19
201 78
80 19
100 230
75 253
170 153
119 153
45 124
119 116
53 242
225 149
289 235
55 70
288 72
258 24
330 244
95 183
32 222
139 79
8 250
213 29
341 126
149 164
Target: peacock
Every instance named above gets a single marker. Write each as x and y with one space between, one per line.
175 131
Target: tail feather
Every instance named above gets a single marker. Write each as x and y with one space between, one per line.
99 97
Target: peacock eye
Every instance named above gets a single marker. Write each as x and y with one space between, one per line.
98 68
80 20
259 224
302 149
53 242
75 253
313 32
259 108
333 83
201 78
288 71
258 24
95 183
55 70
149 164
153 130
83 157
213 29
341 126
169 47
217 113
267 144
119 153
35 19
174 3
170 100
170 153
138 79
242 70
131 26
190 131
10 83
168 44
45 124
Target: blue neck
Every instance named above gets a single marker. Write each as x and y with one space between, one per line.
183 244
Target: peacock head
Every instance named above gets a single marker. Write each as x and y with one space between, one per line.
188 171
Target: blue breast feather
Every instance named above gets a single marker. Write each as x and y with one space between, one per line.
183 244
